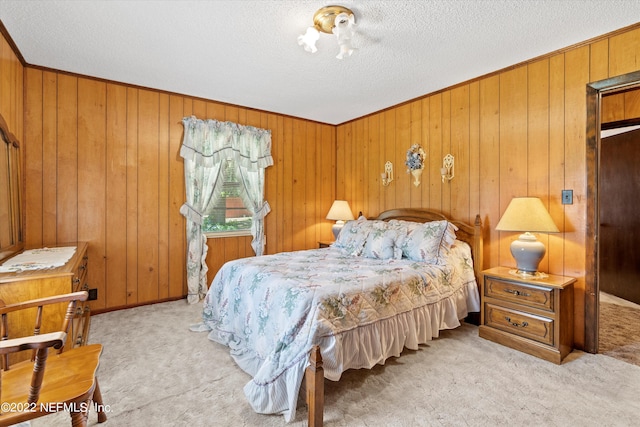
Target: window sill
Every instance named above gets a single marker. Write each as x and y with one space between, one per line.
222 234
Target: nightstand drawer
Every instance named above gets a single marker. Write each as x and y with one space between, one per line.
519 323
530 295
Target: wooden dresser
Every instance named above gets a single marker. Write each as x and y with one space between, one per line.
27 285
533 315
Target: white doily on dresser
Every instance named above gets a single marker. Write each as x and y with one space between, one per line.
38 259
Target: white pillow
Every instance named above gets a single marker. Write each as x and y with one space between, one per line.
429 241
381 242
352 236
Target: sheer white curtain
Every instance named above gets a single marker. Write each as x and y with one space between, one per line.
206 144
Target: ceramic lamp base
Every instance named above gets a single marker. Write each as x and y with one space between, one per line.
337 227
528 252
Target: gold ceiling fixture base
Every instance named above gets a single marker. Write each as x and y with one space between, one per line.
324 18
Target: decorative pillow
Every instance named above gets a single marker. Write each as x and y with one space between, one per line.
381 242
429 241
403 228
352 236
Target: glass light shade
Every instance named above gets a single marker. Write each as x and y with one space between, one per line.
308 40
527 214
339 212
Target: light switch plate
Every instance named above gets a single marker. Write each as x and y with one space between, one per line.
567 197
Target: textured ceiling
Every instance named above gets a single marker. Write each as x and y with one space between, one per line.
245 52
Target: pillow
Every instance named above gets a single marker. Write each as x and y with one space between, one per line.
429 241
381 242
352 236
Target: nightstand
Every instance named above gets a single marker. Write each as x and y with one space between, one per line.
533 315
324 243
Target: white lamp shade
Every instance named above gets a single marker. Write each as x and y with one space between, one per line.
527 214
339 212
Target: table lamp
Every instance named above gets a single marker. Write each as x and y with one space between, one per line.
339 212
528 215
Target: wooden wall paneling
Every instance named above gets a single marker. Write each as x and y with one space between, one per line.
288 177
624 51
49 158
359 155
415 137
328 192
392 147
445 199
7 85
350 176
426 144
232 114
513 148
210 110
557 160
132 196
460 123
375 166
67 147
489 173
279 206
91 180
272 184
599 60
434 155
297 185
164 189
115 284
341 168
538 178
19 94
311 161
576 79
34 157
403 143
321 152
177 223
474 152
5 81
148 194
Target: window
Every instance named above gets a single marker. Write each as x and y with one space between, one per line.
228 216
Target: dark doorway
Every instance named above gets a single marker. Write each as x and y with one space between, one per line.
619 189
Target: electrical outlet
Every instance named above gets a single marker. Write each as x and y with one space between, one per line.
567 197
93 294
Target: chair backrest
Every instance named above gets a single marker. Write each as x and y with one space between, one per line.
39 305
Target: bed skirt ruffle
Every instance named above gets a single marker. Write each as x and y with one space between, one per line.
362 347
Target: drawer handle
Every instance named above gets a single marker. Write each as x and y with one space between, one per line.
516 324
76 280
517 293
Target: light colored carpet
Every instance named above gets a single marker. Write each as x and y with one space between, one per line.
154 371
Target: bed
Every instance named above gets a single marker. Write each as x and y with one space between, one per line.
386 284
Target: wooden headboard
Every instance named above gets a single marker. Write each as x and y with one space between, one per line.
471 234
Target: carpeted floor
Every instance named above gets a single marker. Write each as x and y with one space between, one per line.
619 333
154 371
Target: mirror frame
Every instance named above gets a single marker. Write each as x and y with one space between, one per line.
14 242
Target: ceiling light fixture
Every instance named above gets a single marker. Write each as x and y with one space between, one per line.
336 20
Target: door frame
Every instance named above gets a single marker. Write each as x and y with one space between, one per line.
595 92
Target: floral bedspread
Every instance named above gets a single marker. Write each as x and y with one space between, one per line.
270 310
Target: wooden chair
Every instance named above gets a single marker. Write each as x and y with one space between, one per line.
63 381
